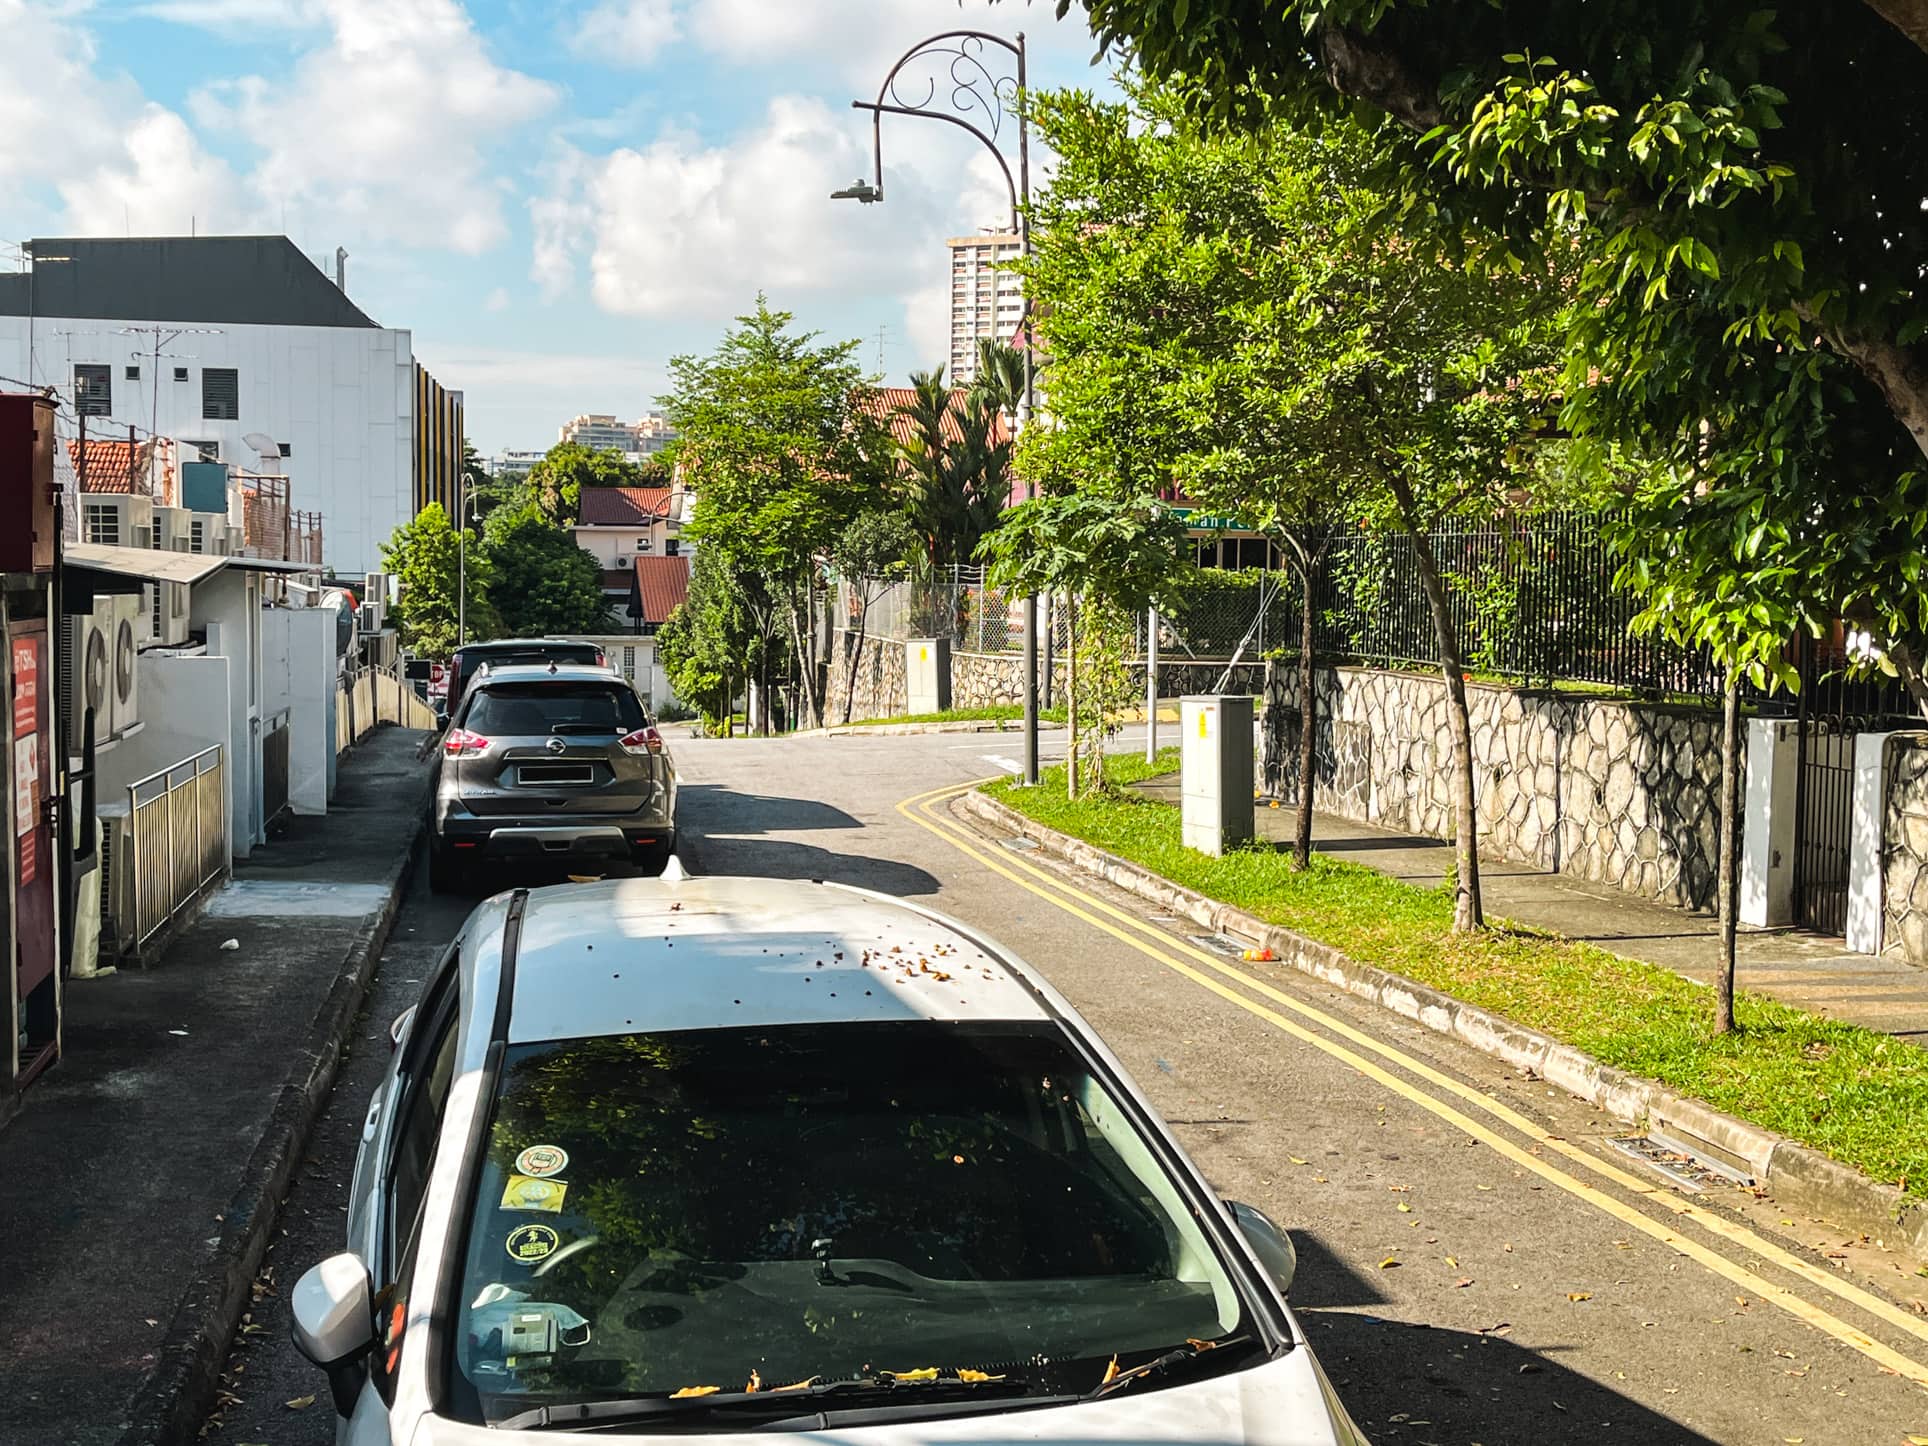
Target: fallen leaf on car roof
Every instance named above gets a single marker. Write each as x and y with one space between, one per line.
685 1393
1579 1295
1389 1262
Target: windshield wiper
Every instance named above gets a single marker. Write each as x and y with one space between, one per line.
1116 1380
796 1400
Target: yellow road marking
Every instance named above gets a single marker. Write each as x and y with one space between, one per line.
920 811
1708 1220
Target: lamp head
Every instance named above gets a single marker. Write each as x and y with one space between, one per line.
859 190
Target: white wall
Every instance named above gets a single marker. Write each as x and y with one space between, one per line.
191 707
342 397
228 606
298 658
610 543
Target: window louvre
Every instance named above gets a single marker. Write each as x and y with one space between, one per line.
180 374
103 524
220 394
93 390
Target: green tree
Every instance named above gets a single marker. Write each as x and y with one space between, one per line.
720 637
424 558
873 553
1238 317
956 467
1123 554
540 580
1746 184
771 426
568 467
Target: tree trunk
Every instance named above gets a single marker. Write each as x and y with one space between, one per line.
1308 718
1730 835
1467 911
803 637
1070 698
855 656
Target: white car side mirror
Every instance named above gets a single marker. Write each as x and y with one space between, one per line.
1271 1245
334 1324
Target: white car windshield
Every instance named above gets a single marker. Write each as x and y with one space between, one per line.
736 1210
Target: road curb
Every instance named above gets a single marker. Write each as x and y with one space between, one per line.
171 1403
1799 1177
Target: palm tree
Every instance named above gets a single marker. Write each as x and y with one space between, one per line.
1000 376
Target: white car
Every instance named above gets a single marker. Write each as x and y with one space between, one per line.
731 1155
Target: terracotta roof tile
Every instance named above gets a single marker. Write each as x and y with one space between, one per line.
663 584
886 405
112 466
622 506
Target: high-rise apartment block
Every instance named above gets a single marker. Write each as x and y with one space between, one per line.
985 301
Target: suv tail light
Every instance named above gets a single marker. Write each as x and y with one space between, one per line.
643 740
460 741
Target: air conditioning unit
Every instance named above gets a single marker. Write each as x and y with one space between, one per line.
375 589
370 618
116 519
172 529
118 926
104 645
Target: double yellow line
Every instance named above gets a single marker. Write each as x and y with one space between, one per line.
1503 1134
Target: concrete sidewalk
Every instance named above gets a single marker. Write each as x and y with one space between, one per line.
140 1179
1811 971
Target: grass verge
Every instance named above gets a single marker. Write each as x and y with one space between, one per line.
1855 1094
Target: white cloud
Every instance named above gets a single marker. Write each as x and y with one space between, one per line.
164 183
388 127
681 228
228 16
627 32
497 300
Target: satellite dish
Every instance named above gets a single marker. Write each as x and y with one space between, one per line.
267 449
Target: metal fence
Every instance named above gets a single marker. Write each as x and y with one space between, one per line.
179 839
370 697
1532 598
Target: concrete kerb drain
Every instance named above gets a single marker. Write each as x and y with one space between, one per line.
1798 1177
171 1403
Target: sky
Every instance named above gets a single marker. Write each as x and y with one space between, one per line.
554 198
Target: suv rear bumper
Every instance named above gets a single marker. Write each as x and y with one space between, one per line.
599 836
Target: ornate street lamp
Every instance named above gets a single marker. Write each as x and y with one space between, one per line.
962 90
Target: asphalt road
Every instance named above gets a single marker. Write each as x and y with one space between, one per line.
1480 1265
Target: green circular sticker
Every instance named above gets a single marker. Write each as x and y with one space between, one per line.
528 1244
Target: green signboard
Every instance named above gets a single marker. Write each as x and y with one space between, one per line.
1204 522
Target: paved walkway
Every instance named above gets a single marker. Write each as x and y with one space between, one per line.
118 1174
1813 971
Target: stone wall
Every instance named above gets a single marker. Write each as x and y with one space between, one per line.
1618 793
1904 851
881 690
985 680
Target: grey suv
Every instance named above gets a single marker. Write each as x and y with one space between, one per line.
558 763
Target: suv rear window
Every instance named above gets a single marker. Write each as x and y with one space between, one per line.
511 710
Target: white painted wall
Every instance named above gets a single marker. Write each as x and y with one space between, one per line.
191 702
1870 795
342 397
298 652
1767 831
609 544
228 606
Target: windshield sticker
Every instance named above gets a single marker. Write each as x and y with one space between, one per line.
524 1192
539 1162
528 1244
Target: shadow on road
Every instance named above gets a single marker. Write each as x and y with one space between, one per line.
1415 1383
707 808
783 859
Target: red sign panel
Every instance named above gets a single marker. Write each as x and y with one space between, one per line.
26 749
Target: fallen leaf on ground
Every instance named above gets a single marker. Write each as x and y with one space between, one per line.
300 1403
1462 1282
1452 1262
1297 1161
1389 1262
1579 1295
1404 1208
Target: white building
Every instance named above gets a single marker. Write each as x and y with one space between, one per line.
985 301
599 430
514 463
214 340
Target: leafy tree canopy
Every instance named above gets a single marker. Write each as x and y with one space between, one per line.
541 581
568 467
424 559
1746 185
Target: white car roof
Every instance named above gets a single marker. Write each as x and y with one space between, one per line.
642 955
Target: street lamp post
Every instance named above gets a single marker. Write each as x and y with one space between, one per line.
462 501
975 93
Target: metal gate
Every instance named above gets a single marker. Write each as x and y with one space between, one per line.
1832 708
